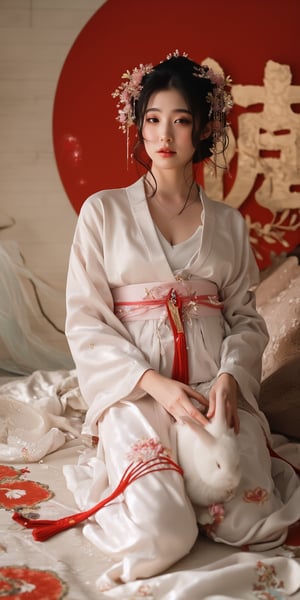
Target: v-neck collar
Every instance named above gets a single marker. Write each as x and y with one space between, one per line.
139 205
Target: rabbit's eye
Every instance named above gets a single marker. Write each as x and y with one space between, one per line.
218 465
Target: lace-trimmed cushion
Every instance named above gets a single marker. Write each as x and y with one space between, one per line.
278 301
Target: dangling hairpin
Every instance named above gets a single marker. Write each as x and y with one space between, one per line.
128 92
221 102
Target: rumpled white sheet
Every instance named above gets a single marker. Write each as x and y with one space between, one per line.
227 579
38 414
43 413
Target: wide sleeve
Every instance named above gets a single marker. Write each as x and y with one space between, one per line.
247 336
108 364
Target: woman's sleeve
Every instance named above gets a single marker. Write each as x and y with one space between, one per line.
108 364
247 336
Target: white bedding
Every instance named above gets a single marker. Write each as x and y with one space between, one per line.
43 406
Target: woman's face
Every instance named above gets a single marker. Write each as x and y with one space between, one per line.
167 130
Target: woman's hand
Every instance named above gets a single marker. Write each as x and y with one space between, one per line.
225 390
173 395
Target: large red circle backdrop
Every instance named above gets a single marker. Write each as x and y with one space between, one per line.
90 149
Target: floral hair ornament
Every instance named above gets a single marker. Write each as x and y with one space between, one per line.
128 92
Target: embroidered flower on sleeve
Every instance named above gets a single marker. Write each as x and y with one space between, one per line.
267 585
144 591
146 449
257 496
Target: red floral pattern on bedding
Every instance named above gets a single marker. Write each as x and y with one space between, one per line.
257 496
23 583
16 493
20 581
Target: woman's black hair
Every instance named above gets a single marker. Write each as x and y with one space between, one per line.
178 73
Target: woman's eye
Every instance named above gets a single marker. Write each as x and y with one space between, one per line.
183 121
152 120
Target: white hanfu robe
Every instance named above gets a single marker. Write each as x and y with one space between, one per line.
154 524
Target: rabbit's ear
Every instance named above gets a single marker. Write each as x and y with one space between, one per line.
200 430
218 424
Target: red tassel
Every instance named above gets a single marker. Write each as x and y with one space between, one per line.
180 370
30 523
42 530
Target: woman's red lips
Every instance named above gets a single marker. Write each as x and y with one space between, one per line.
165 151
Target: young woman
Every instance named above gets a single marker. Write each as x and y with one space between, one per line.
162 324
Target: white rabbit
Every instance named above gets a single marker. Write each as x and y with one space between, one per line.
209 457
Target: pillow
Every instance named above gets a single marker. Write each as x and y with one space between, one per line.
278 301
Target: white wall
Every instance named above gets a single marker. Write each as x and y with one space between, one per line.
35 38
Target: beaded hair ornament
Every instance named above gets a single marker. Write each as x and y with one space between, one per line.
220 99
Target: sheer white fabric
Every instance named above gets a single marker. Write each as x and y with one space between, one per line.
23 347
